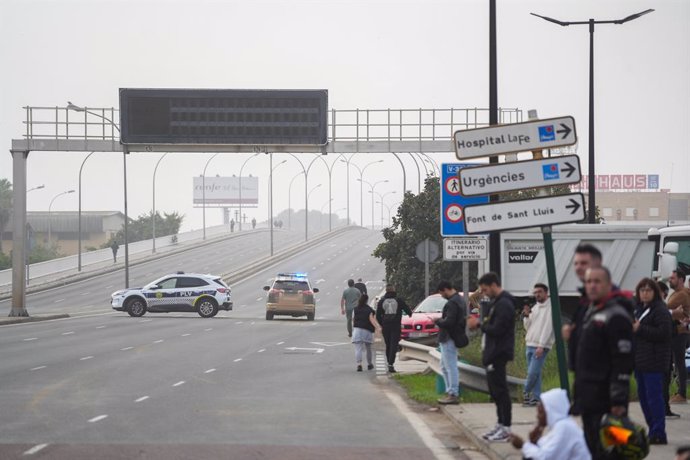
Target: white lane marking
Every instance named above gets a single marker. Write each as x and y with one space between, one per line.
252 323
29 339
209 329
98 418
186 335
145 320
35 449
158 341
209 371
59 300
261 351
126 348
108 287
85 358
239 322
242 306
100 327
37 368
84 293
280 343
259 298
143 398
68 333
181 382
437 448
238 360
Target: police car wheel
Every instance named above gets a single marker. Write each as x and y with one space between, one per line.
207 307
136 307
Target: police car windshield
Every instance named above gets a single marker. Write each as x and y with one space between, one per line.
291 285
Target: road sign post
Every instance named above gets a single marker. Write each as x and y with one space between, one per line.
427 251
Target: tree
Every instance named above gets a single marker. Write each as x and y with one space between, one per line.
418 218
5 206
142 228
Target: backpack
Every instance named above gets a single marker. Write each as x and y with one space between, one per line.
390 309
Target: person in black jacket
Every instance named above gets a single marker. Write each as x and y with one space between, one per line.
604 359
499 346
451 336
389 312
652 336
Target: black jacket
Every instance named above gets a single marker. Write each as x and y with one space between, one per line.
402 307
577 320
362 287
604 356
653 338
453 319
499 329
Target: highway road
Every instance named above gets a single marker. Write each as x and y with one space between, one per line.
105 385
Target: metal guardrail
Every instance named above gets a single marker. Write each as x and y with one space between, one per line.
472 377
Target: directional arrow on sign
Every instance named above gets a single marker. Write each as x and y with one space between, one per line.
566 129
570 169
574 205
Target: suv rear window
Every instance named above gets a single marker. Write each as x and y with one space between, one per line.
291 286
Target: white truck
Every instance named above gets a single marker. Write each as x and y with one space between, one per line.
630 251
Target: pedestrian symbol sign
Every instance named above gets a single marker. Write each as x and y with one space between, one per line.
452 209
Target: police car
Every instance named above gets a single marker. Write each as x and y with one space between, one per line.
181 292
291 294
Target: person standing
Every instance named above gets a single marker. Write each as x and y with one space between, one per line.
365 324
539 340
389 314
348 302
253 223
499 348
232 225
604 359
361 286
679 305
114 247
652 335
451 336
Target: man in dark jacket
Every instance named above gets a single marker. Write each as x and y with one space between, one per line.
389 312
451 336
604 358
499 345
361 286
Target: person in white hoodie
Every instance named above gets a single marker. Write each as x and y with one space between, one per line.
564 440
539 340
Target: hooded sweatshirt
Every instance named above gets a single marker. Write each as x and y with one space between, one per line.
539 326
564 438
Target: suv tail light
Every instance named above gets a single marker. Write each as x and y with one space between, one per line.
221 290
307 293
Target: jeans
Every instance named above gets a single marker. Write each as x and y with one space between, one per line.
359 349
348 315
449 367
534 367
498 389
391 336
649 390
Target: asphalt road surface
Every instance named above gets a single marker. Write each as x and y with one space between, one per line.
105 385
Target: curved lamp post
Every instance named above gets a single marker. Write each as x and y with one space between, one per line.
153 218
381 197
241 168
270 196
361 193
203 187
77 108
306 204
289 197
49 211
373 186
79 213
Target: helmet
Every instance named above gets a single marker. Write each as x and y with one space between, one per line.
622 438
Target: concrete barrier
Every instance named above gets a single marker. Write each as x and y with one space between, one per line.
472 377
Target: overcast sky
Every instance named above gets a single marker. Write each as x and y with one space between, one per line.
372 54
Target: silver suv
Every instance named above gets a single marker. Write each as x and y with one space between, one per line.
181 292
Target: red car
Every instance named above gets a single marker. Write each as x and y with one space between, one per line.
421 327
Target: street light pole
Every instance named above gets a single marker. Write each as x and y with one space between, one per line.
79 214
241 168
49 211
306 209
153 218
361 194
591 192
270 196
203 187
289 197
372 196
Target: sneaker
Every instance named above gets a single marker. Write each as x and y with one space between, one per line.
370 367
502 435
391 369
491 432
448 399
678 399
670 414
530 403
359 368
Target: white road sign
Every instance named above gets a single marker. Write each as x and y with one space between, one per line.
535 212
465 249
505 177
517 137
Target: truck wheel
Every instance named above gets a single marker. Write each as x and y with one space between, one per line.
269 316
136 307
310 316
207 307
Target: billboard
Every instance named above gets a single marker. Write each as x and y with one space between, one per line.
225 191
621 182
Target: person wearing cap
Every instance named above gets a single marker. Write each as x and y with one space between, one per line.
564 439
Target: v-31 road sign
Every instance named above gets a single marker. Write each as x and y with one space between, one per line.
506 177
516 137
535 212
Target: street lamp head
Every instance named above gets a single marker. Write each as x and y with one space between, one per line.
76 108
69 191
555 21
634 16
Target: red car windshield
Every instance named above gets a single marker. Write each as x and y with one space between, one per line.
432 304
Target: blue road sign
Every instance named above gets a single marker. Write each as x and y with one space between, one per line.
452 202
